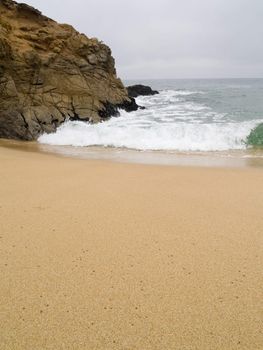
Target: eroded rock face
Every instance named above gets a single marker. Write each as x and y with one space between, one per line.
49 72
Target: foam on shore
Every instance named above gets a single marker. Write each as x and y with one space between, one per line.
170 122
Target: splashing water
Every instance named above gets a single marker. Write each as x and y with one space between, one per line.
174 120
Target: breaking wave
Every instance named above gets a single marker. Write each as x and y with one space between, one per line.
172 121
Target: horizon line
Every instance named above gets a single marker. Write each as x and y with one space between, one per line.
226 78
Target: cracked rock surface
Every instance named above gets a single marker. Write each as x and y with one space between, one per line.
49 73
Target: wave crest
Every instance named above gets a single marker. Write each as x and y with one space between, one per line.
170 122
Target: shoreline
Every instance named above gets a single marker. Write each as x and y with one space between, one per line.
251 158
108 255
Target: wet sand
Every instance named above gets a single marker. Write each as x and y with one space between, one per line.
104 255
252 158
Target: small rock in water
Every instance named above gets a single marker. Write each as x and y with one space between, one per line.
140 90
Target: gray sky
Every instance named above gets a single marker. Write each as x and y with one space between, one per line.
171 38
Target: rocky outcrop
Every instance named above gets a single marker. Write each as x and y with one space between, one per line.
140 90
49 73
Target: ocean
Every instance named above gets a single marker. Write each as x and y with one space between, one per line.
187 117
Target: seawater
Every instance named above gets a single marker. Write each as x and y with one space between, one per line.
187 116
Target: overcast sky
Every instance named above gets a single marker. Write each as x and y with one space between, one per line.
171 38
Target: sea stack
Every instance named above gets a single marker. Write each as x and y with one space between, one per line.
140 90
49 72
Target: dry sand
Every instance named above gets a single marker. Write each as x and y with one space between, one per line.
101 255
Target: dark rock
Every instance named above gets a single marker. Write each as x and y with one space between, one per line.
135 91
130 106
140 90
110 110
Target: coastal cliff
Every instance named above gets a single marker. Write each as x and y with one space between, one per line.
49 73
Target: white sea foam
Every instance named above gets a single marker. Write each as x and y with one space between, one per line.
169 123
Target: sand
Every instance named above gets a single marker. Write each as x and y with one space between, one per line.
104 255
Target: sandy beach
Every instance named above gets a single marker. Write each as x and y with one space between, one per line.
104 255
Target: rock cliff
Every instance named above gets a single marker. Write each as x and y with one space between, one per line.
49 72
